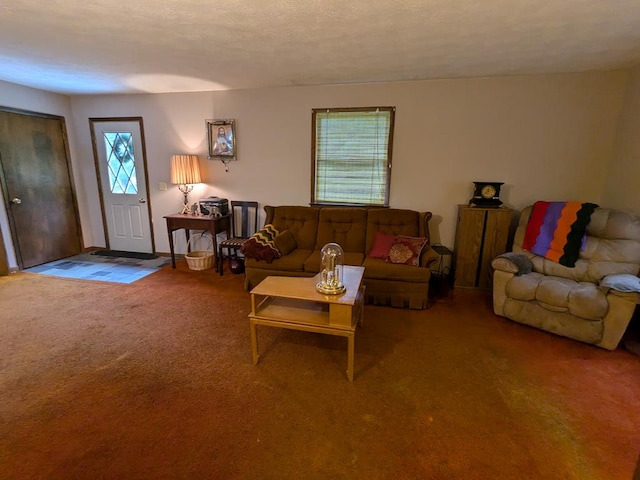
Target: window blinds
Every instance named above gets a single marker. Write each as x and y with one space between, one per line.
352 156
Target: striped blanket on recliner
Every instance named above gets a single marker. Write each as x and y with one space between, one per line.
556 230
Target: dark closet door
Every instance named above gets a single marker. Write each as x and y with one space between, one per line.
38 189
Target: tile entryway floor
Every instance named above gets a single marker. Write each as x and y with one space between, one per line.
106 269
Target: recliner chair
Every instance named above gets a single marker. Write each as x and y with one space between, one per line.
593 301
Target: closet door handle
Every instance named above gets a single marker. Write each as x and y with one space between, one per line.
16 201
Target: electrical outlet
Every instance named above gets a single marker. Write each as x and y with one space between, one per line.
162 186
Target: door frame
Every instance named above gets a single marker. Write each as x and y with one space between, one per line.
5 192
96 163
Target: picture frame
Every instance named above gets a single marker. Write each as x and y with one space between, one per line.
221 137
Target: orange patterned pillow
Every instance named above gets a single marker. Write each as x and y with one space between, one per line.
406 250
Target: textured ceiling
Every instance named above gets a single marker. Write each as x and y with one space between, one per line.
104 46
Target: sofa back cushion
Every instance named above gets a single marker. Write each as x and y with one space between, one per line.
612 246
392 221
345 226
301 221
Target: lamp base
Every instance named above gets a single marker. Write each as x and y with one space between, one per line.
329 290
185 189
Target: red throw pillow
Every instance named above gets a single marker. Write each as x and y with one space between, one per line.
381 245
406 250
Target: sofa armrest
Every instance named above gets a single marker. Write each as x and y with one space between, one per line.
428 256
516 263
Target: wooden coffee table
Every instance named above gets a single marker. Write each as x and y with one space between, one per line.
294 303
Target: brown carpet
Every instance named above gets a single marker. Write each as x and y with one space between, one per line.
154 380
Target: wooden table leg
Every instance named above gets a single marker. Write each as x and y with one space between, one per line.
350 355
254 341
171 249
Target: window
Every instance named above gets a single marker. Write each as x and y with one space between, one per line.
351 155
120 162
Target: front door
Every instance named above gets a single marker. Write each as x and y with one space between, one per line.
38 188
120 157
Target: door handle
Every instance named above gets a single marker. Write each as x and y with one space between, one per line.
142 200
16 201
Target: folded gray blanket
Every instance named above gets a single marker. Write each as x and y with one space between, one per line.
516 263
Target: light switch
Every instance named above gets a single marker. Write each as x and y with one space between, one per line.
162 186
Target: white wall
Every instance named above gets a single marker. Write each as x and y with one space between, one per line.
548 137
622 187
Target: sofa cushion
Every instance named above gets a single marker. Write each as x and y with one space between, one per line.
406 250
523 287
301 221
345 226
379 269
587 301
292 262
557 294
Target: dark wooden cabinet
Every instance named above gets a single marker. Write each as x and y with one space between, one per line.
481 235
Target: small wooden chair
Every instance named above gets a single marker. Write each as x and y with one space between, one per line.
244 223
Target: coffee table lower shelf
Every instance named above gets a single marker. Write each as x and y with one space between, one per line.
306 315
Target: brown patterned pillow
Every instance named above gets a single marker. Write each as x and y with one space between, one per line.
285 242
406 250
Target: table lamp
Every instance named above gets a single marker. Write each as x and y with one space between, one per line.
185 171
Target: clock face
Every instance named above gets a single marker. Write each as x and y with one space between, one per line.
488 191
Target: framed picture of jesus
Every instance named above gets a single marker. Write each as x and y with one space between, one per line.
221 136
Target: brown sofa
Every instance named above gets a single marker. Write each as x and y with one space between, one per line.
354 229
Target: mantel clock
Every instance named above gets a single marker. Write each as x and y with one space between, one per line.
486 194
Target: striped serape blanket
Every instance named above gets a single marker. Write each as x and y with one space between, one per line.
556 230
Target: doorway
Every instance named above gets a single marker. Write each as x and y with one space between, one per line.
38 188
121 167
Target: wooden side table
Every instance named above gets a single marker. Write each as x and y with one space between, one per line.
481 235
204 223
442 276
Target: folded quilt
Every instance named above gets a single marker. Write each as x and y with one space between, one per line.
556 230
261 245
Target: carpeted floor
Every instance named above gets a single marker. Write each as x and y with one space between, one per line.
154 380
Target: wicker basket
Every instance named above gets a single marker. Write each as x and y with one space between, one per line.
200 259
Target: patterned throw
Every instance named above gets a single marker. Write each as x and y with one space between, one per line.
556 230
261 245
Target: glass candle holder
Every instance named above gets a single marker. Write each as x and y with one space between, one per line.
330 282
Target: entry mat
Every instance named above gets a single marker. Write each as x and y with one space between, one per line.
120 253
105 269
